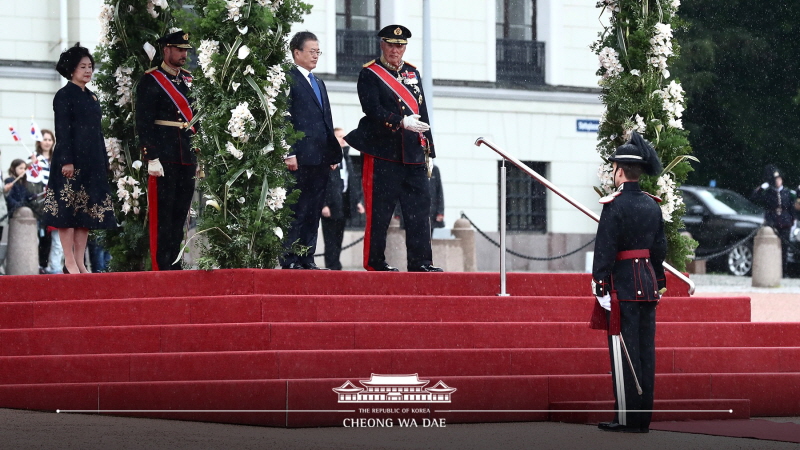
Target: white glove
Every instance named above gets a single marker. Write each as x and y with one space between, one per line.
605 301
412 123
765 186
154 168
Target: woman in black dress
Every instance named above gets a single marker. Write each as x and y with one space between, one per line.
78 195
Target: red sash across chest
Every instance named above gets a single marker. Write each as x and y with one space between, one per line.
180 101
396 87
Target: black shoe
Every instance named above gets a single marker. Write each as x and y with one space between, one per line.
425 268
614 426
312 266
383 267
293 266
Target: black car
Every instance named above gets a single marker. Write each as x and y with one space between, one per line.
718 220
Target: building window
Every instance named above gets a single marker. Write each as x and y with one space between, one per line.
526 198
357 22
520 58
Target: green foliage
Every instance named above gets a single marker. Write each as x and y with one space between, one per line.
630 93
244 210
740 73
126 26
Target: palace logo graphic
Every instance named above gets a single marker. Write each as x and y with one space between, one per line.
394 389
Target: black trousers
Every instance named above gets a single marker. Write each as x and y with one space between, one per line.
312 182
169 198
784 234
333 235
638 330
385 183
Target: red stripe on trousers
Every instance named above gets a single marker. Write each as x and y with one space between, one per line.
367 173
152 212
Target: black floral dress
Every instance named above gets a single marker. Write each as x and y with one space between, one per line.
83 201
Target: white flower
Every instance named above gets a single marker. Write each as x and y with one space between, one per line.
670 200
609 60
214 204
136 164
672 102
242 30
240 200
269 148
106 17
136 210
126 207
272 4
278 232
244 52
124 85
249 173
234 9
640 126
636 72
276 198
661 48
230 148
235 86
249 70
206 51
241 117
676 4
136 192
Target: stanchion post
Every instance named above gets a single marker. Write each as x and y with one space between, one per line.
503 292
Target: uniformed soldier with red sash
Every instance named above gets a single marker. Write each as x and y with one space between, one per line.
163 110
396 143
628 280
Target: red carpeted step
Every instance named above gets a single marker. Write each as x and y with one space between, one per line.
404 335
286 308
191 283
673 410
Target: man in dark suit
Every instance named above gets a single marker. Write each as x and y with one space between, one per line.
314 156
343 200
396 143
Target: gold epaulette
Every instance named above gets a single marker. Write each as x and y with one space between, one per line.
409 64
150 69
184 70
369 63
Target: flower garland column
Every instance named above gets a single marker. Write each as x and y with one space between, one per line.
635 51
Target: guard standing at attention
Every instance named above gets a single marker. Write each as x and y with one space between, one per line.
396 143
163 110
628 281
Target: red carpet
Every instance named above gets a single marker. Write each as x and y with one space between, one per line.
753 428
280 341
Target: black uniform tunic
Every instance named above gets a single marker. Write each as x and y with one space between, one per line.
170 196
631 221
83 201
394 167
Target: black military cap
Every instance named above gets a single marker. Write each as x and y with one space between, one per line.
771 172
395 34
177 39
638 151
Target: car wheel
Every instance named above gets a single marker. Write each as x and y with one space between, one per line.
740 260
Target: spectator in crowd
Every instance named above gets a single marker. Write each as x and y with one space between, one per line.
44 151
16 188
78 196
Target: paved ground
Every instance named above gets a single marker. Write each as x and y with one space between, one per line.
40 430
36 430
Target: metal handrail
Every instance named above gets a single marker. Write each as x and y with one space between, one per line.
569 200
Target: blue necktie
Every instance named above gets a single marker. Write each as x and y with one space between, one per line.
315 86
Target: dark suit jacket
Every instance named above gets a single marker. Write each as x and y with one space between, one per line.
334 197
319 145
379 132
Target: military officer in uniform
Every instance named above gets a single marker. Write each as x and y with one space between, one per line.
628 281
163 110
778 203
396 143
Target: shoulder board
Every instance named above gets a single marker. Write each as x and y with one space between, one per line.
411 65
185 71
369 63
610 198
657 199
150 69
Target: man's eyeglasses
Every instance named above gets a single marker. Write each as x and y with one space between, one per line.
315 52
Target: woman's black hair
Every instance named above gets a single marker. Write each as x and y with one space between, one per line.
70 58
